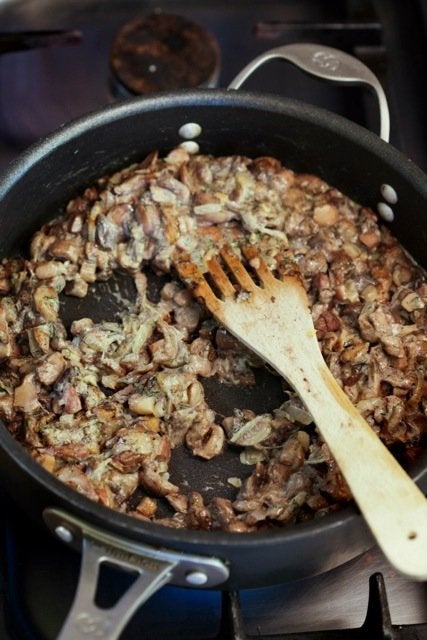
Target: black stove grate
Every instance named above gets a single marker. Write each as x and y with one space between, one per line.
377 624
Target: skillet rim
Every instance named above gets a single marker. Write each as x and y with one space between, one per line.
211 97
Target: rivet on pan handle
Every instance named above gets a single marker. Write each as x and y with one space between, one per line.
155 568
326 63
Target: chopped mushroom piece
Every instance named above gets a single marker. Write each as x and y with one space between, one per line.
46 302
51 368
26 395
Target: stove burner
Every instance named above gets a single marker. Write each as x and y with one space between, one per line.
162 52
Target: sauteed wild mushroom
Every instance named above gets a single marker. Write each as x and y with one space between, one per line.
103 405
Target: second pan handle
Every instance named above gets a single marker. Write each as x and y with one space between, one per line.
326 63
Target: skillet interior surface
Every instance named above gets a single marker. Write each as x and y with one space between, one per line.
305 139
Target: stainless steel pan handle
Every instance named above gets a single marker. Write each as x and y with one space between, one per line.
326 63
85 618
154 568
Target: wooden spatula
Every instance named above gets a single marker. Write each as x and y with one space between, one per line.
272 317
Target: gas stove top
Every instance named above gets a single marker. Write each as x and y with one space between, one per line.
44 87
